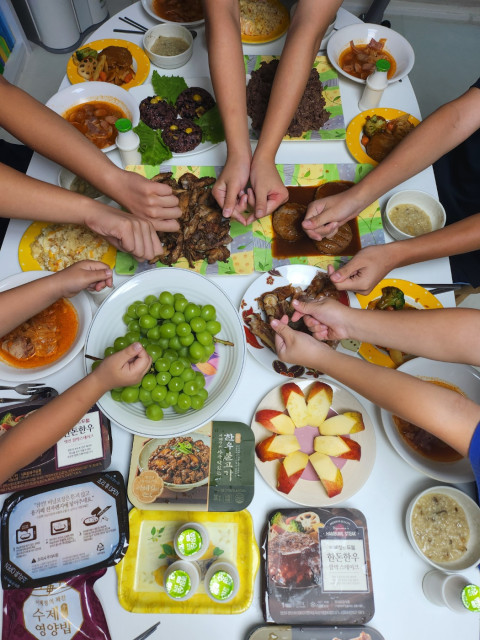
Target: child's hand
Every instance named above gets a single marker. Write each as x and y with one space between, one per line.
326 318
124 368
296 347
86 274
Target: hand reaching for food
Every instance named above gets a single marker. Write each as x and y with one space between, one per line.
229 189
326 318
86 274
144 198
123 368
325 216
365 270
268 191
296 347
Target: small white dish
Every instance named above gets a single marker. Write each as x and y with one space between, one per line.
84 92
361 33
65 179
471 557
84 315
148 7
168 30
428 203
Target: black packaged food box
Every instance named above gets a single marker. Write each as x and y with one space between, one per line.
317 567
289 632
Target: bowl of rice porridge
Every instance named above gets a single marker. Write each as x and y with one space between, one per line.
443 527
409 214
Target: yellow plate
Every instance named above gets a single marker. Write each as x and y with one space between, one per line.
28 262
278 33
141 63
140 574
355 131
415 296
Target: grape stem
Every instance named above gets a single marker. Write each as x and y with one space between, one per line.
227 342
92 357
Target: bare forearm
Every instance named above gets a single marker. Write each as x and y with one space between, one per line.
451 335
39 294
445 413
42 429
304 36
227 71
442 131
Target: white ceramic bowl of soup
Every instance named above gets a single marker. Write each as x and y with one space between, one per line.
66 99
83 310
419 213
176 35
396 45
424 506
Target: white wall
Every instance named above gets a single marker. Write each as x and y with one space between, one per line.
461 11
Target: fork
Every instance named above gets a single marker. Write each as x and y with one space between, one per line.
26 389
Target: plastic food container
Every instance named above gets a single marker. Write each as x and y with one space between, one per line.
222 581
181 580
452 591
191 541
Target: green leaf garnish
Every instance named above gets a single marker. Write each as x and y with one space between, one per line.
153 149
168 87
211 125
183 447
217 551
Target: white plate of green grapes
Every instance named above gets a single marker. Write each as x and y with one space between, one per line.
195 338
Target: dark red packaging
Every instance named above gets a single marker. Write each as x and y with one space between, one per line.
64 609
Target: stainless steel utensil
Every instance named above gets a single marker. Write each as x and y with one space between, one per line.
27 388
147 633
45 392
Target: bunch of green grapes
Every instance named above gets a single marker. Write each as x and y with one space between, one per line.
176 333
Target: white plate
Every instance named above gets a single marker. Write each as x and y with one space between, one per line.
361 33
309 491
84 314
465 377
87 92
300 275
147 5
145 90
108 325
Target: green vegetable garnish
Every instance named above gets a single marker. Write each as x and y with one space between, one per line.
168 87
153 149
86 52
211 125
392 297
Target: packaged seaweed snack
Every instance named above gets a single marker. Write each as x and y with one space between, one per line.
317 567
69 528
86 448
64 609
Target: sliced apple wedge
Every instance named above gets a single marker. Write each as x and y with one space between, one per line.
319 401
295 404
276 447
343 424
328 473
275 421
290 470
338 446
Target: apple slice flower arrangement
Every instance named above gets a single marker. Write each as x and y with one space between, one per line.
307 431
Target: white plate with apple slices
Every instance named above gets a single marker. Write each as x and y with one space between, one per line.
314 442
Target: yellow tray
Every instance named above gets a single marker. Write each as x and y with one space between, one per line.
28 262
140 574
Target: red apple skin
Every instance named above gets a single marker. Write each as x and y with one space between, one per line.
264 454
288 388
355 451
286 483
266 417
332 488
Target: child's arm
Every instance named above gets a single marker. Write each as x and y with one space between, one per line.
452 335
42 429
444 413
442 131
27 300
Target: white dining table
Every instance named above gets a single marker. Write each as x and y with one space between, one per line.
401 610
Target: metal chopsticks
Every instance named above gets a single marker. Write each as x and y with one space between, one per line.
442 288
132 23
147 633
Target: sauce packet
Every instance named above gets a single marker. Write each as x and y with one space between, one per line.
69 528
86 448
68 609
